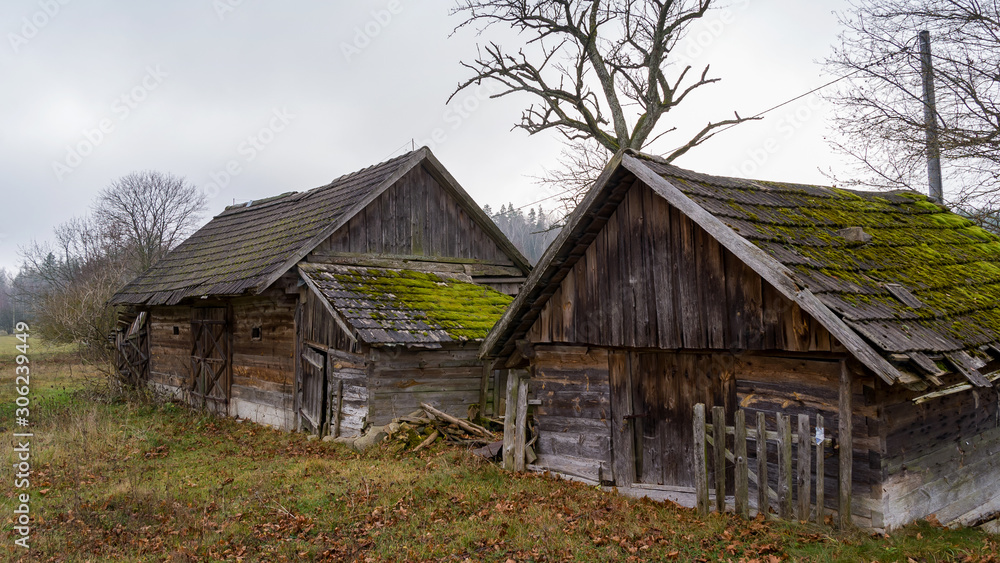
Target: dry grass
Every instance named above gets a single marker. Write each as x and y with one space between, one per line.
136 481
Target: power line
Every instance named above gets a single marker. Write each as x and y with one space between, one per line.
765 112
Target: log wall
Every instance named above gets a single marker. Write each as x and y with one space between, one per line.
942 456
170 354
653 279
573 417
449 379
264 370
796 384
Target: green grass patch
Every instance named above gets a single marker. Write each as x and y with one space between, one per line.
36 347
144 481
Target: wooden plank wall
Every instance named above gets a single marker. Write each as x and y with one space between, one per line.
573 418
264 370
942 456
665 388
416 217
170 354
354 408
319 327
799 384
449 379
347 362
654 279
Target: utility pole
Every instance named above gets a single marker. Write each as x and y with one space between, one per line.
930 120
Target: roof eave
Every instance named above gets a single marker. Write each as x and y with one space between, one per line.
498 338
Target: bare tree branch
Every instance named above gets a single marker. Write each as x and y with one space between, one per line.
613 54
879 111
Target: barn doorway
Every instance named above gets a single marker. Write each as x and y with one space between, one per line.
210 359
663 388
314 384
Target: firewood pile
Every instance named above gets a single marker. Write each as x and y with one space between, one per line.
422 428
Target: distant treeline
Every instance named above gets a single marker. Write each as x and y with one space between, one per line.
531 233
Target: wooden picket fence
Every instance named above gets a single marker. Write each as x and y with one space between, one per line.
710 449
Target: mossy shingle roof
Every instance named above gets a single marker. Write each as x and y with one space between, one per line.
385 306
906 273
909 277
248 245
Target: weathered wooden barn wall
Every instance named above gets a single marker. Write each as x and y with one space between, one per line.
345 360
653 396
449 379
796 384
667 332
170 354
942 456
264 368
573 416
652 278
416 217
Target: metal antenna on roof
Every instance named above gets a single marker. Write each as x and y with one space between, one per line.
413 144
936 191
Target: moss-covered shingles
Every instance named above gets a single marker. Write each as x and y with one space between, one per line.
405 306
949 265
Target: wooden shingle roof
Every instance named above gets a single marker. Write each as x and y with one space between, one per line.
902 282
405 307
249 246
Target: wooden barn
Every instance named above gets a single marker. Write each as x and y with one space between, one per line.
331 309
667 288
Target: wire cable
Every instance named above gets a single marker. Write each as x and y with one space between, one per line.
762 113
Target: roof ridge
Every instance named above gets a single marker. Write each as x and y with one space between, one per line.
344 177
754 183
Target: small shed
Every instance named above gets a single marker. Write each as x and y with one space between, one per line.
330 309
669 288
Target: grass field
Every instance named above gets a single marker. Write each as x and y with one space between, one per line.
116 481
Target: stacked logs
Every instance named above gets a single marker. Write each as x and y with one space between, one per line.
422 428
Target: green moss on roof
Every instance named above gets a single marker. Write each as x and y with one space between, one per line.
414 303
947 263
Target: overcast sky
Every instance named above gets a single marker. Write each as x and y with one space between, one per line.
247 98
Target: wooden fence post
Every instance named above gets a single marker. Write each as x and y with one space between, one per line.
846 446
784 467
820 468
742 471
804 484
700 460
521 424
508 420
762 498
719 436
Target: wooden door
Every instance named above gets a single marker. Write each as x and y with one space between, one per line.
132 346
314 378
665 388
210 359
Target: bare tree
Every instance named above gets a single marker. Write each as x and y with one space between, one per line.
65 285
150 211
600 72
879 110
